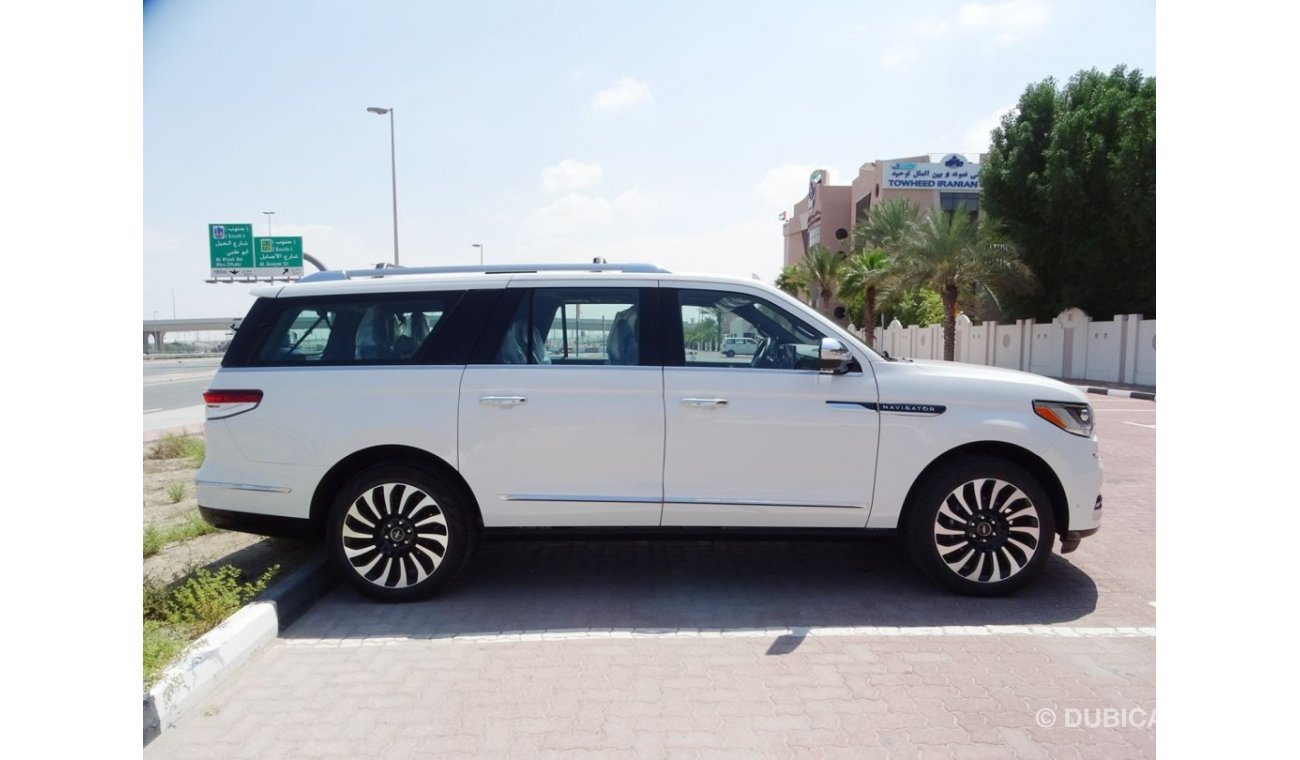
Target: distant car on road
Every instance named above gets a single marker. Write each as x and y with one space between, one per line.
733 345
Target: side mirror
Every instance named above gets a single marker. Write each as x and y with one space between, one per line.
834 358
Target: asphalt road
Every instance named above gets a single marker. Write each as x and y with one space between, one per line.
173 394
723 649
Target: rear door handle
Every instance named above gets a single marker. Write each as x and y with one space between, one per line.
704 402
501 400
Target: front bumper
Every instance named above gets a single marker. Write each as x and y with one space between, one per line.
1070 541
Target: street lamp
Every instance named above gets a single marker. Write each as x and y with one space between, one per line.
268 222
392 141
479 246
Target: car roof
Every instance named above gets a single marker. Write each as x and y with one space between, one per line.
395 280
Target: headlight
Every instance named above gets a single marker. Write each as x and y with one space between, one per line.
1072 418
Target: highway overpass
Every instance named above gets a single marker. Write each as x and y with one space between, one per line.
155 329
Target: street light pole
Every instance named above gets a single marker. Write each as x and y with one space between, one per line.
479 246
392 142
268 222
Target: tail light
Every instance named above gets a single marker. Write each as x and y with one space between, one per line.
224 403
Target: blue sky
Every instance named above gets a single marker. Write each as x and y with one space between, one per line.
669 132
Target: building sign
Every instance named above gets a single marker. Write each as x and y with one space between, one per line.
818 177
953 173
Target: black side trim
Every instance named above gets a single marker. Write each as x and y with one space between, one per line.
865 404
262 525
490 337
670 532
465 324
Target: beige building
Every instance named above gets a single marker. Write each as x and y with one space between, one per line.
827 214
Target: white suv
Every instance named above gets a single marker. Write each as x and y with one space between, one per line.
401 413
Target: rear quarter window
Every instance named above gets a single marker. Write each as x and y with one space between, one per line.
343 330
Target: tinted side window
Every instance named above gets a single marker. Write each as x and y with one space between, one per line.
354 330
722 329
578 326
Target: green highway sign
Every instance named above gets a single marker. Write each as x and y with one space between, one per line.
277 257
231 249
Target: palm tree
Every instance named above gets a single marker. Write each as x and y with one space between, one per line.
888 226
821 268
871 273
792 281
953 253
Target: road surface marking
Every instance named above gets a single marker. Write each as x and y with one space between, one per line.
1050 631
1139 424
150 411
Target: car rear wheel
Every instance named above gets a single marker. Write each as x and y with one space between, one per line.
398 532
982 526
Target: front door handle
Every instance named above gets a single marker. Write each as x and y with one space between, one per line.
501 400
704 402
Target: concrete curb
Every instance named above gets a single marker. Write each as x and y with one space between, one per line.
221 652
1146 395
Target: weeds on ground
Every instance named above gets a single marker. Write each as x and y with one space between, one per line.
173 446
176 492
175 619
156 539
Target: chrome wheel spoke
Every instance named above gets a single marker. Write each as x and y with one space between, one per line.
394 535
986 530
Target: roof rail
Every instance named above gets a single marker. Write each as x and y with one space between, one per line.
396 271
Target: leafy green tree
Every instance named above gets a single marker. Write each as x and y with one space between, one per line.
701 332
1072 176
792 280
954 252
821 268
917 307
870 273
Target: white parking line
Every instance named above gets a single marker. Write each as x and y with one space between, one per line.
1051 631
1139 424
150 411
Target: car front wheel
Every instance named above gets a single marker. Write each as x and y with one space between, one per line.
398 533
982 526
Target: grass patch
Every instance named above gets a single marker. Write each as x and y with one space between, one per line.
156 539
175 619
173 446
176 492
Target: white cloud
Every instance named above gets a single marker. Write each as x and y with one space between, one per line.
785 185
1000 22
753 246
571 213
1008 21
633 204
570 175
624 93
977 137
900 55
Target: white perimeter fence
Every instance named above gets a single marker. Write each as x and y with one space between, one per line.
1072 346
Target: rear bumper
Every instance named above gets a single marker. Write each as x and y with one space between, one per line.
262 525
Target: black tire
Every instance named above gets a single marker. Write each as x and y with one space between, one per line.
729 354
392 554
981 526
